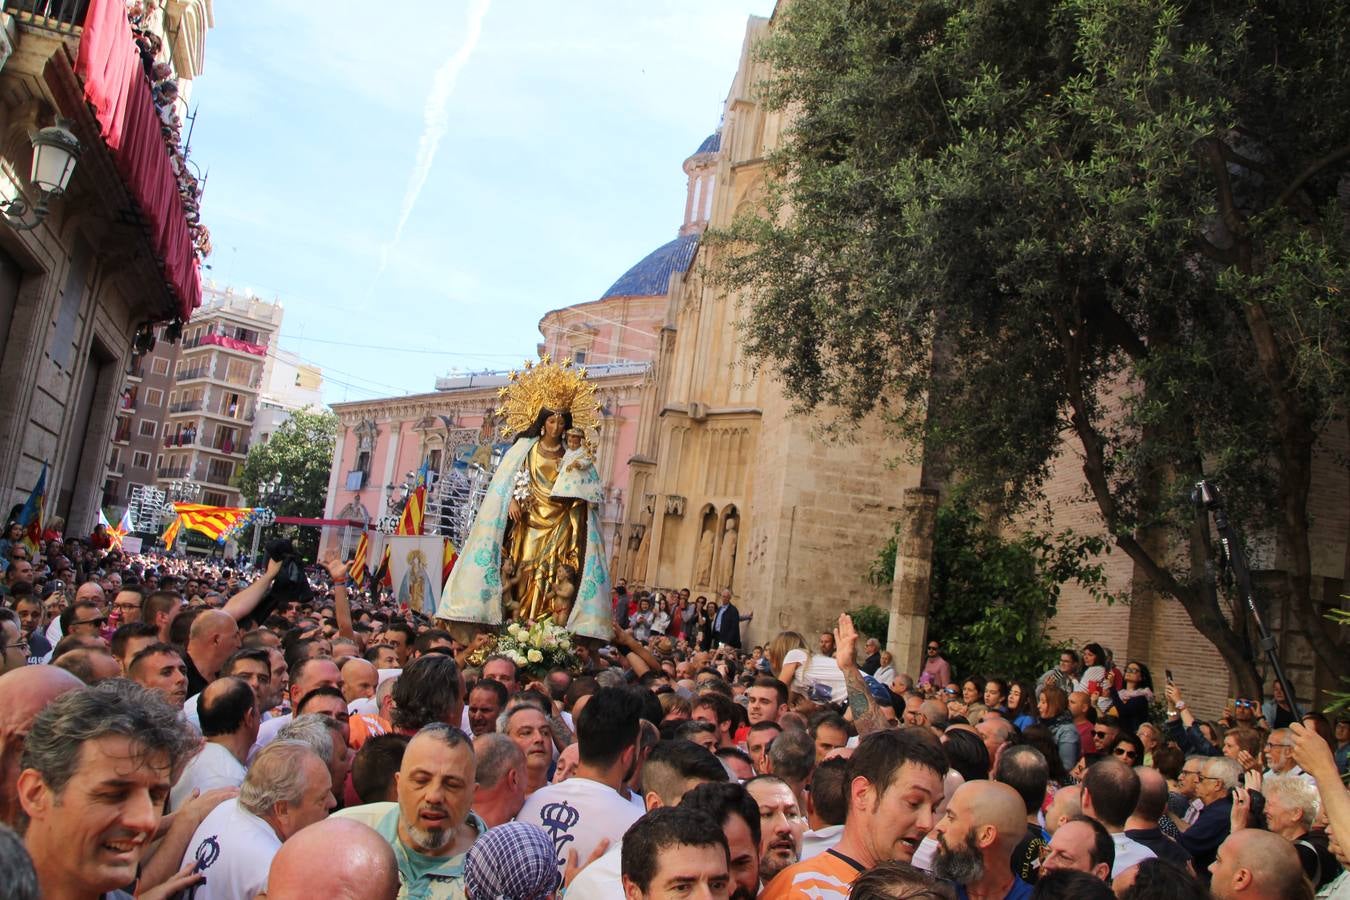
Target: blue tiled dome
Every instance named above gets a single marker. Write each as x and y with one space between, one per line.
711 144
651 276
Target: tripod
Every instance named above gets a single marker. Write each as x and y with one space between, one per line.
1207 496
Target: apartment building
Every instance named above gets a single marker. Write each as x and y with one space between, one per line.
187 411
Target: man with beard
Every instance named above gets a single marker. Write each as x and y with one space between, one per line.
781 825
587 808
731 806
984 822
431 827
894 784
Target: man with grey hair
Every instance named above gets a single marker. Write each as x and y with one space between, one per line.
96 770
1291 807
326 737
1218 778
501 778
286 788
432 825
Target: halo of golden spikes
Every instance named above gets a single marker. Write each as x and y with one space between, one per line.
547 385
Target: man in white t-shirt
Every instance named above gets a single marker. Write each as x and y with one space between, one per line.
673 769
228 717
287 788
587 808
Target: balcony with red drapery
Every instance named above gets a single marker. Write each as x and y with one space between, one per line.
119 93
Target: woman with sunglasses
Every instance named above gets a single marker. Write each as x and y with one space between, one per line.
1132 702
1129 750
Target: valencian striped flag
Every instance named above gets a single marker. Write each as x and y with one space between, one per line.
382 575
212 521
415 510
356 569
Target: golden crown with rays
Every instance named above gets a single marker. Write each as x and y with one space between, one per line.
548 385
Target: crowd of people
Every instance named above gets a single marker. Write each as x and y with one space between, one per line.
172 727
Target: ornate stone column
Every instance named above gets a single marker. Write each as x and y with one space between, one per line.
913 576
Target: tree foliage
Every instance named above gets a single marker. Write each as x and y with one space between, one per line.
300 451
1116 224
992 596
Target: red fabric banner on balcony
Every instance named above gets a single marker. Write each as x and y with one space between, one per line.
115 85
221 340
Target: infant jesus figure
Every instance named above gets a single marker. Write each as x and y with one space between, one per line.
578 455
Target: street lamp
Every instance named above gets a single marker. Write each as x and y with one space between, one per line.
270 493
55 149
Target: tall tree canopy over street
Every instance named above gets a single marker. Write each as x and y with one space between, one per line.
301 453
1118 224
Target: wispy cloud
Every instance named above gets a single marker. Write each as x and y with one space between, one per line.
435 122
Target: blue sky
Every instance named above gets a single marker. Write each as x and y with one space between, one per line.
561 131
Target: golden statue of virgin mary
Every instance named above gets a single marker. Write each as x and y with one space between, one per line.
536 537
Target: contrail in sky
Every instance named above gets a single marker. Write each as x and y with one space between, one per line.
436 121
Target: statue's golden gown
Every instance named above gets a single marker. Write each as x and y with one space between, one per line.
552 533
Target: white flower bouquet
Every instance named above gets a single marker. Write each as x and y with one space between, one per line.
536 648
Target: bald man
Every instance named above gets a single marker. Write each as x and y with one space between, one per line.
985 820
1067 803
90 664
306 866
214 636
359 679
23 694
1257 865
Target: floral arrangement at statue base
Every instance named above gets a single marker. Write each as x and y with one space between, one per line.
536 648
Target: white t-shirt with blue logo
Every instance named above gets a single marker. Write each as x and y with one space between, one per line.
578 814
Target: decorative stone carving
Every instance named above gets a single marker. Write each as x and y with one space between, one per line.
674 505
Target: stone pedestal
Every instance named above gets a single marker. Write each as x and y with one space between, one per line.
913 574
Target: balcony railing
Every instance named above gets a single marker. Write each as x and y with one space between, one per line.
235 416
184 439
172 471
193 372
54 15
123 435
185 406
229 446
137 372
216 477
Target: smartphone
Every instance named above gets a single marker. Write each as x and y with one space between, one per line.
1168 672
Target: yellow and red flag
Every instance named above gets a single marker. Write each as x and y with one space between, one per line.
448 557
356 569
382 575
212 521
413 513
